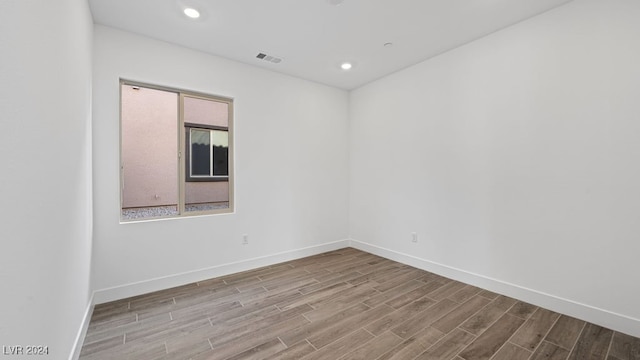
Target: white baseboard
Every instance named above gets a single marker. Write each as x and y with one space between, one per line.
151 285
605 318
77 345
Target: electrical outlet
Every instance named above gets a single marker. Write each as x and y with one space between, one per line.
245 239
414 237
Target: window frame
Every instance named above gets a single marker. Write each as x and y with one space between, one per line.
201 178
183 149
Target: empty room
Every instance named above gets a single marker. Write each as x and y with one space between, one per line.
320 179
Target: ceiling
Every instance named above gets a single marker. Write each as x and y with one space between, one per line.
314 37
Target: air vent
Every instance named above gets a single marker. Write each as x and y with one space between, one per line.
269 58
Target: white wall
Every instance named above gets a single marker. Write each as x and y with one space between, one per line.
516 160
45 187
291 168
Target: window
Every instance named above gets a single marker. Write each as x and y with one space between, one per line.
207 154
176 153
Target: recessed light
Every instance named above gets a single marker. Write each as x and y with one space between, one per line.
346 66
192 13
388 44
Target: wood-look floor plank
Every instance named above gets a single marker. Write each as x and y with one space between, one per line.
316 295
399 316
424 319
295 352
522 310
435 277
413 295
352 296
230 319
377 264
101 345
461 313
185 302
186 349
365 265
335 331
448 346
482 320
351 293
339 281
271 298
382 272
490 341
592 344
188 289
261 351
146 350
212 283
488 294
251 340
274 282
165 330
510 351
115 321
565 332
288 272
286 283
152 307
93 336
549 351
446 290
392 276
353 265
401 278
291 284
196 338
110 308
414 345
294 336
251 275
335 349
202 311
228 334
371 272
374 348
326 262
393 293
465 294
534 330
202 294
625 347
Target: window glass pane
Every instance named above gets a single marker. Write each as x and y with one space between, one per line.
149 165
200 153
220 138
220 152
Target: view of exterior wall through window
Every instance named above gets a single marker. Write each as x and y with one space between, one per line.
176 153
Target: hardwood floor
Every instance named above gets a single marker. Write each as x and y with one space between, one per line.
344 304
